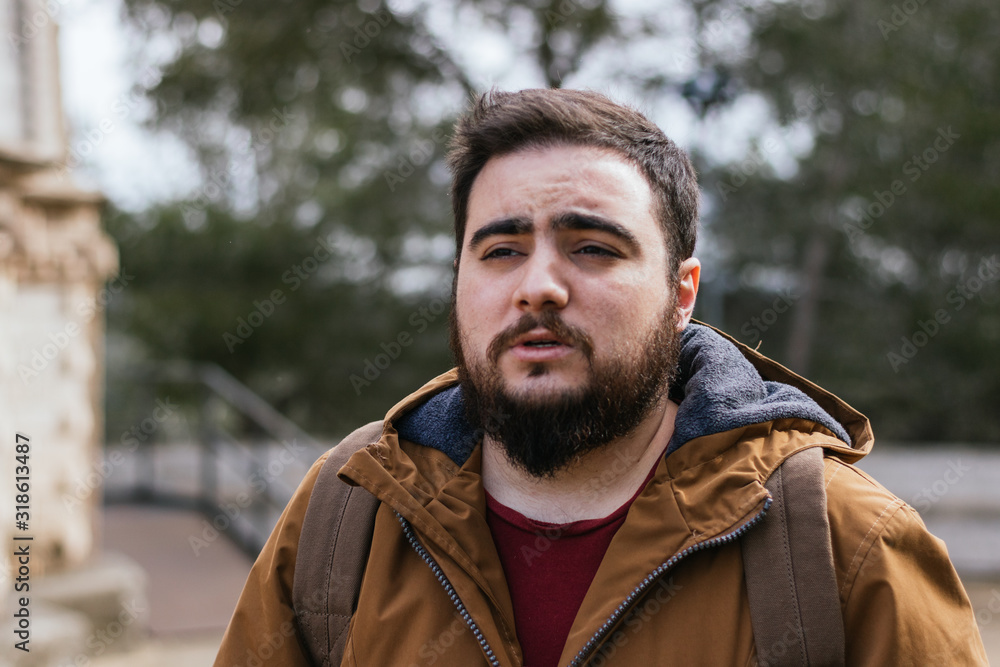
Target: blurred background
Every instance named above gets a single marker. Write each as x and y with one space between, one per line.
225 241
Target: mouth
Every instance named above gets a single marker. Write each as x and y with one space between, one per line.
540 339
540 345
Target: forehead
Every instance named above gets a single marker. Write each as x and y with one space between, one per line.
540 183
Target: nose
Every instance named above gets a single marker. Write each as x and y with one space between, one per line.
542 285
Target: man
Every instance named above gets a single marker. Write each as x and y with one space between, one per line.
576 491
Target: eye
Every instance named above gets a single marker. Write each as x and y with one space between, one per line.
500 253
597 250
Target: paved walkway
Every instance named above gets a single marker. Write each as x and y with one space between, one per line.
173 652
191 595
194 582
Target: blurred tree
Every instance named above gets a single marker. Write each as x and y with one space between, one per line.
314 262
883 232
851 231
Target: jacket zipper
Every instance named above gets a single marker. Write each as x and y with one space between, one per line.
449 589
626 604
616 615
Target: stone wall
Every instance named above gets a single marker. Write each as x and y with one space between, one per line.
54 263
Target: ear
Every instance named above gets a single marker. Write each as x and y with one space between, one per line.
689 275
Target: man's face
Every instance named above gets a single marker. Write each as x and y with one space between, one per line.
566 311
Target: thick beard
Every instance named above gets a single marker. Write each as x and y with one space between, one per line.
543 435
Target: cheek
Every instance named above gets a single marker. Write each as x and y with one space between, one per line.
628 297
481 298
465 291
623 310
472 312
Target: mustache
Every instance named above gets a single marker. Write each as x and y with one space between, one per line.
547 319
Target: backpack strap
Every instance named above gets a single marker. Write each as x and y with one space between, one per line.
788 563
333 552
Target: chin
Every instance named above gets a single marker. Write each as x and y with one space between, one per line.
545 387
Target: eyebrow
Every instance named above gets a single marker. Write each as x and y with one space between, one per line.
503 227
582 222
570 221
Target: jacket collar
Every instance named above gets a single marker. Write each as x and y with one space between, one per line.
721 386
724 389
710 483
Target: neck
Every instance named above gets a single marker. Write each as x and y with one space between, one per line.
592 487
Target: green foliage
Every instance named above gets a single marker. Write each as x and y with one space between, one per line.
329 121
278 310
904 130
312 121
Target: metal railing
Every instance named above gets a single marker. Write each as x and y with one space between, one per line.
238 464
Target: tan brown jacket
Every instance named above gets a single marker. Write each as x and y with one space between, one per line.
902 601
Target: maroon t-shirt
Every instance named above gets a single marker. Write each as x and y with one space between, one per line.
549 567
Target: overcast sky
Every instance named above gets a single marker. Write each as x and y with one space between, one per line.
135 167
129 164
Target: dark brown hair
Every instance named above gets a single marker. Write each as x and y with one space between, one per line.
500 123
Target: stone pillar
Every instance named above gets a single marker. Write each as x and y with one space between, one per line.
54 263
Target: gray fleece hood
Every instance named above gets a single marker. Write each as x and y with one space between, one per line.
717 389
